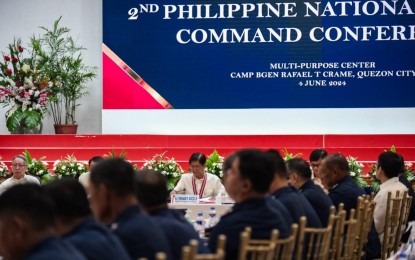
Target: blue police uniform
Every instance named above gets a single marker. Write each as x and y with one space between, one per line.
346 191
255 213
318 200
96 241
140 235
177 230
53 248
297 205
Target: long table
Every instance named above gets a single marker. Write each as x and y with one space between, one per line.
193 209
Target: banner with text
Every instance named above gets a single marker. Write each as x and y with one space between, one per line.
188 54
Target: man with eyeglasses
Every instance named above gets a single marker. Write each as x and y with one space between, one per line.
316 157
19 168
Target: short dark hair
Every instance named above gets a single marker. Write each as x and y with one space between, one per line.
116 174
95 159
69 198
258 167
199 157
151 188
280 167
28 201
391 164
300 167
317 154
337 161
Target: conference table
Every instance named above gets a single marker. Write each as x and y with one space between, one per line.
193 209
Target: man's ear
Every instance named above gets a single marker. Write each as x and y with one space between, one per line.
293 176
246 185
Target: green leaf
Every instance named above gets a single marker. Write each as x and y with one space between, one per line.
28 156
13 121
32 118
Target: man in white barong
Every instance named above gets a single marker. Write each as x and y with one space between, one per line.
199 182
389 166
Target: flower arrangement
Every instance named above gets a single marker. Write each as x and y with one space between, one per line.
38 168
166 166
214 164
356 170
69 167
288 156
4 170
22 88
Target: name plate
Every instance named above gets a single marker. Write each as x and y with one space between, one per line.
184 199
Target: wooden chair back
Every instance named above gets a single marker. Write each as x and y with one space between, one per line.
190 253
257 249
314 243
396 214
348 243
404 215
338 231
364 215
284 247
161 256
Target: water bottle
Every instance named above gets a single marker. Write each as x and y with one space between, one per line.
199 225
218 199
187 216
213 220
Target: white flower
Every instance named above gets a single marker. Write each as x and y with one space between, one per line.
37 93
80 167
40 172
352 174
63 167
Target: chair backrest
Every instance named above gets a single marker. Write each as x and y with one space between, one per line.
221 244
348 243
161 256
284 247
313 243
257 249
190 253
364 215
338 231
393 221
404 215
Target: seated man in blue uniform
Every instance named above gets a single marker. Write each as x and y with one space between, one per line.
300 177
289 196
247 183
76 226
113 201
335 176
26 226
152 194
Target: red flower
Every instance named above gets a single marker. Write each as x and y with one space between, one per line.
15 59
6 58
9 71
20 48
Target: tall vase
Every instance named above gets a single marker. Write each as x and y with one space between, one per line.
23 130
